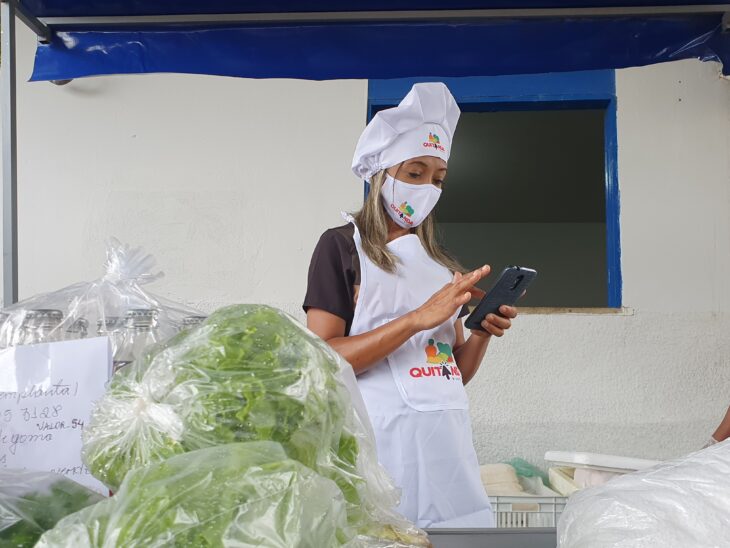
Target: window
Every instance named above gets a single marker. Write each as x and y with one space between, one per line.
532 181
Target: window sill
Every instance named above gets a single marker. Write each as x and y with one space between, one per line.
540 310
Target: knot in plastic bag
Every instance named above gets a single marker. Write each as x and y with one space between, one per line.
126 264
161 415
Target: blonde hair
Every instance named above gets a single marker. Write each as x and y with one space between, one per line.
372 222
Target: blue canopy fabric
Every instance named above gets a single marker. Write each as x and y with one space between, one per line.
367 50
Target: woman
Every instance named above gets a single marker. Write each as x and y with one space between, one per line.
388 298
723 431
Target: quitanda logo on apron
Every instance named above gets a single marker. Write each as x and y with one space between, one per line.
441 356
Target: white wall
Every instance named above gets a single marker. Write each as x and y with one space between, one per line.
229 183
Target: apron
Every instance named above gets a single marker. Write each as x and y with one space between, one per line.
416 398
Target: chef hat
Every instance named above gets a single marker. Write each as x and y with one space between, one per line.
423 124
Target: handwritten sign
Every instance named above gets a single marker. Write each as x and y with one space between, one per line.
47 392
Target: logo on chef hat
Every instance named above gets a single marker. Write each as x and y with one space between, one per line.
434 142
440 357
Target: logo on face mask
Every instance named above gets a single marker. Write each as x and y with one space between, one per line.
434 142
440 356
405 211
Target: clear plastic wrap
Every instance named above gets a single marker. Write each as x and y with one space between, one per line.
115 305
249 373
33 502
239 494
676 504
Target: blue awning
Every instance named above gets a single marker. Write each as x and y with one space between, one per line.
96 37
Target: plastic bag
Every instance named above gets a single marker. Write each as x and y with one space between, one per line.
527 470
33 502
115 305
248 373
676 504
240 494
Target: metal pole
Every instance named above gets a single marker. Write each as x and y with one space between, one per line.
403 16
42 31
10 155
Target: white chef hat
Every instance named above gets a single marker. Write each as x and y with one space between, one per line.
423 124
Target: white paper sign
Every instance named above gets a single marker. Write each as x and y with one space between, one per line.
47 392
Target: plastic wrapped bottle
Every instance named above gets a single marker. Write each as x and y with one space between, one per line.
140 332
40 326
192 321
111 327
78 330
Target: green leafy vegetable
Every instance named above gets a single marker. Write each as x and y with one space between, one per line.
249 373
241 494
33 502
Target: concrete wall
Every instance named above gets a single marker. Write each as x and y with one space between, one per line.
230 182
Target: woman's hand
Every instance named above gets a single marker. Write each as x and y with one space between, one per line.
445 302
496 325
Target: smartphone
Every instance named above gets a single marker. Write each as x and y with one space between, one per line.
509 288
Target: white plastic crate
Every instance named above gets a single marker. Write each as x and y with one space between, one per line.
527 511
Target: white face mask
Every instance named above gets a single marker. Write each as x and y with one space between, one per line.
408 205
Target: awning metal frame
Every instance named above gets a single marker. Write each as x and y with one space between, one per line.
415 16
41 30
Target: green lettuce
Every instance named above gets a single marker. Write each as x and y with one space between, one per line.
33 502
248 373
240 494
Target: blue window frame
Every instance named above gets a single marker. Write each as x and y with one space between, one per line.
576 90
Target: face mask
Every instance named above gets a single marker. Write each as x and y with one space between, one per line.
408 205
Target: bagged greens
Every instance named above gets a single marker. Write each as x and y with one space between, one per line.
248 373
240 494
33 502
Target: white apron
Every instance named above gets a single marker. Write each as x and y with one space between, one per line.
416 398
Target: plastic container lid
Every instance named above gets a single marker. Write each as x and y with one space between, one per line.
596 461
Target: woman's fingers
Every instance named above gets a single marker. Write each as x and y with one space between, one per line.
498 321
476 293
508 311
464 298
492 329
472 278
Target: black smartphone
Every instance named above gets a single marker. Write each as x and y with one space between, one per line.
509 288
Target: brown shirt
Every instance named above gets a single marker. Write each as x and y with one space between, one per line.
334 275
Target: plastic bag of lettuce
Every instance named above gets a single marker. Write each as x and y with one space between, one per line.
239 494
33 502
248 373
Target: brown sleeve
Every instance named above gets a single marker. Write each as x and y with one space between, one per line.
333 273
